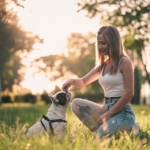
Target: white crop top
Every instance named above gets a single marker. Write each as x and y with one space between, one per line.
113 85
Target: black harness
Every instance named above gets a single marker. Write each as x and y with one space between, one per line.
50 122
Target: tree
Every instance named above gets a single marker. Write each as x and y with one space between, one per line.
13 41
80 60
137 86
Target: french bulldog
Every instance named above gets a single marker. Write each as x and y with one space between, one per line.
55 120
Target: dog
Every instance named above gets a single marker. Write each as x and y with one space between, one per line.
54 123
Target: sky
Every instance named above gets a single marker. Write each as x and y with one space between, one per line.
54 21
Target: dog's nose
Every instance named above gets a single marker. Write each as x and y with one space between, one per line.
66 91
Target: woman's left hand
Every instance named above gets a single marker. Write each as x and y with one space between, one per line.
103 118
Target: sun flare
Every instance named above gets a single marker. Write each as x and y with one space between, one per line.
54 23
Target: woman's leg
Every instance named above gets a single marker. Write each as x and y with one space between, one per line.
122 121
88 112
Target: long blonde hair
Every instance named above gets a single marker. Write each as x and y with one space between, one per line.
116 51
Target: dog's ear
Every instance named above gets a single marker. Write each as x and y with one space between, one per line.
53 99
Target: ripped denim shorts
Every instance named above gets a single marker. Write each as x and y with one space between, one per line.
123 120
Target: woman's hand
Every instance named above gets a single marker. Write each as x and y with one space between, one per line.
103 118
67 85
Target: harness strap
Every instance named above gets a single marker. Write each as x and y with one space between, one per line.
43 124
50 122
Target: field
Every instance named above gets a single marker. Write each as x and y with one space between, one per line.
14 120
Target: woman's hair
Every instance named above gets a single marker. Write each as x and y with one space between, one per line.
116 51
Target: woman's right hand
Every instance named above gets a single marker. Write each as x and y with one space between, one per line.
67 85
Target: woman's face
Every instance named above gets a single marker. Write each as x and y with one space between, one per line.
102 45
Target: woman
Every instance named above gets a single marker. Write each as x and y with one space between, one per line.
115 74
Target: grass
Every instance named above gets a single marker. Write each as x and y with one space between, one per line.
14 120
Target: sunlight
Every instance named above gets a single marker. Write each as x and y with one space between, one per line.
54 23
145 92
37 83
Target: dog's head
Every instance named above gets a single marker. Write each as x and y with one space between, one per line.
61 98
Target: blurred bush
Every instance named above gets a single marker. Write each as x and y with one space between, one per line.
19 98
30 98
6 99
45 97
97 97
27 98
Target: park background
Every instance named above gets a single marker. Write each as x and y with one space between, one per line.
43 43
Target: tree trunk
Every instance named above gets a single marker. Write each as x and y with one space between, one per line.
147 77
147 74
0 90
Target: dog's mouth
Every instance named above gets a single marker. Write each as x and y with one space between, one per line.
69 95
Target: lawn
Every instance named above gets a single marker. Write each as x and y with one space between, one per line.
14 120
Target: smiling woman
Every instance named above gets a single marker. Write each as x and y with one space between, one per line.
115 74
102 44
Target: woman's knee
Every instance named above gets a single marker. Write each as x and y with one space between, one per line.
74 104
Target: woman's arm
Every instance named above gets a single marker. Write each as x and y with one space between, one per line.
128 76
81 82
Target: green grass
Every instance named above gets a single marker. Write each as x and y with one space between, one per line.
14 120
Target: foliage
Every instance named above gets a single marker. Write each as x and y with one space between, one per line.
30 98
96 97
45 97
19 99
57 89
27 98
13 41
6 99
13 126
131 16
81 53
80 60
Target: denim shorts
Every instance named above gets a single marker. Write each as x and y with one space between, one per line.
88 112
